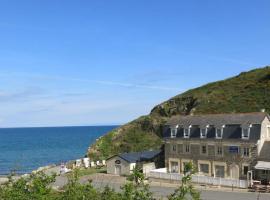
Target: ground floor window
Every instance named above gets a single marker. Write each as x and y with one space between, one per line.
219 171
204 168
174 167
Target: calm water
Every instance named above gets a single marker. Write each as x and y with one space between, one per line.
26 149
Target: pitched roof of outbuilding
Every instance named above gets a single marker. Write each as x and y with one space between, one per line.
134 157
218 119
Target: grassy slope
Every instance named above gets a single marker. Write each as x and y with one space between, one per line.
247 92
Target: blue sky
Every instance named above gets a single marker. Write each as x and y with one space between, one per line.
89 62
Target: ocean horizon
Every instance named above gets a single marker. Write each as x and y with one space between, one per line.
24 149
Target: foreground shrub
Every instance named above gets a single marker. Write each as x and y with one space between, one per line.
38 186
34 187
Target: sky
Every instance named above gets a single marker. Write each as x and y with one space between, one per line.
96 62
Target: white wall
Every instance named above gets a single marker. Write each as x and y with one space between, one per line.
125 166
264 135
147 167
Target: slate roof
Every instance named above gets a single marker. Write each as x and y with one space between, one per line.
218 120
232 130
134 157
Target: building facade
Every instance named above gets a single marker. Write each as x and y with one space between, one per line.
123 164
219 145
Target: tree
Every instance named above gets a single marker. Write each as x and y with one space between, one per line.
109 194
77 191
136 189
186 189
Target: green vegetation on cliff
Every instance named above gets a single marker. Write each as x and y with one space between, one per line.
247 92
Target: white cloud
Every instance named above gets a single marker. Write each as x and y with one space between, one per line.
100 82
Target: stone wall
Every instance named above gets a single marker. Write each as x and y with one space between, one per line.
175 149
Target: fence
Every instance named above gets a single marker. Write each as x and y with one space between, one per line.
160 174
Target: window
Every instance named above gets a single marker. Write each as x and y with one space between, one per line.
204 168
219 133
203 149
186 133
268 131
219 171
174 167
246 151
174 148
245 170
186 148
219 151
203 132
173 132
245 133
234 149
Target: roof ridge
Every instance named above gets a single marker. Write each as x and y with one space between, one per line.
209 114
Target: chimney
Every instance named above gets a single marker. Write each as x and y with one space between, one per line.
263 110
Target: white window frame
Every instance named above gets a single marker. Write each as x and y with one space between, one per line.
205 133
216 163
207 163
188 133
217 147
206 148
174 148
248 132
178 165
268 131
185 147
248 150
221 132
173 132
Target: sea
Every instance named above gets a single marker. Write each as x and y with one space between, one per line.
25 149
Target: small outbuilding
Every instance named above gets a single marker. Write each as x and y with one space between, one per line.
123 164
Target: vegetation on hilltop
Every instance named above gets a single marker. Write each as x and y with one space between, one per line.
247 92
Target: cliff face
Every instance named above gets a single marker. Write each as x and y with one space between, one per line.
247 92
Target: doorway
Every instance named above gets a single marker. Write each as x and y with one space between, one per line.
234 172
118 169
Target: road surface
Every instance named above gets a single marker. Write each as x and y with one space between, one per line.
162 190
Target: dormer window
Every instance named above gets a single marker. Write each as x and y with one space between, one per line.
204 131
219 132
246 132
187 132
173 132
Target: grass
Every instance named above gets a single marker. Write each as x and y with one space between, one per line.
247 92
90 171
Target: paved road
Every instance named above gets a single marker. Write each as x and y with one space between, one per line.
163 190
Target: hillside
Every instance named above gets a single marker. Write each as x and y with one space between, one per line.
247 92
